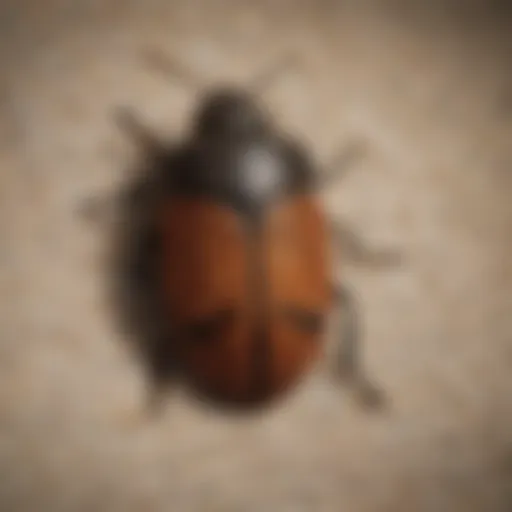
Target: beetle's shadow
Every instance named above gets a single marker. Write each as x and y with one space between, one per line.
131 267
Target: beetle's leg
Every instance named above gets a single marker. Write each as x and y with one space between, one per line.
129 203
356 251
163 372
350 368
107 208
342 162
158 381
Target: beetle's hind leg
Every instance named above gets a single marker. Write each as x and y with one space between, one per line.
159 379
163 371
350 369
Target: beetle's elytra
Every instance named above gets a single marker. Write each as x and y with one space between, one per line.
244 258
240 258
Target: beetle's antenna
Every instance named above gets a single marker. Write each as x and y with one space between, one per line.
128 122
267 77
157 60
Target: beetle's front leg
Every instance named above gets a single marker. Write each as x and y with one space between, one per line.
342 162
142 190
349 362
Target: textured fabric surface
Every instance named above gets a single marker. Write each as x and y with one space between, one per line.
428 90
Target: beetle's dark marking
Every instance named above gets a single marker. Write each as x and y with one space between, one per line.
209 329
310 322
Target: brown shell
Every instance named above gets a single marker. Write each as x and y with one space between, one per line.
208 268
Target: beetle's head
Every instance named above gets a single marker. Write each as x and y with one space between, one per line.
229 112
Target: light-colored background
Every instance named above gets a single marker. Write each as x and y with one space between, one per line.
429 89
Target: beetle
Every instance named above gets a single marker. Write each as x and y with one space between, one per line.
234 248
